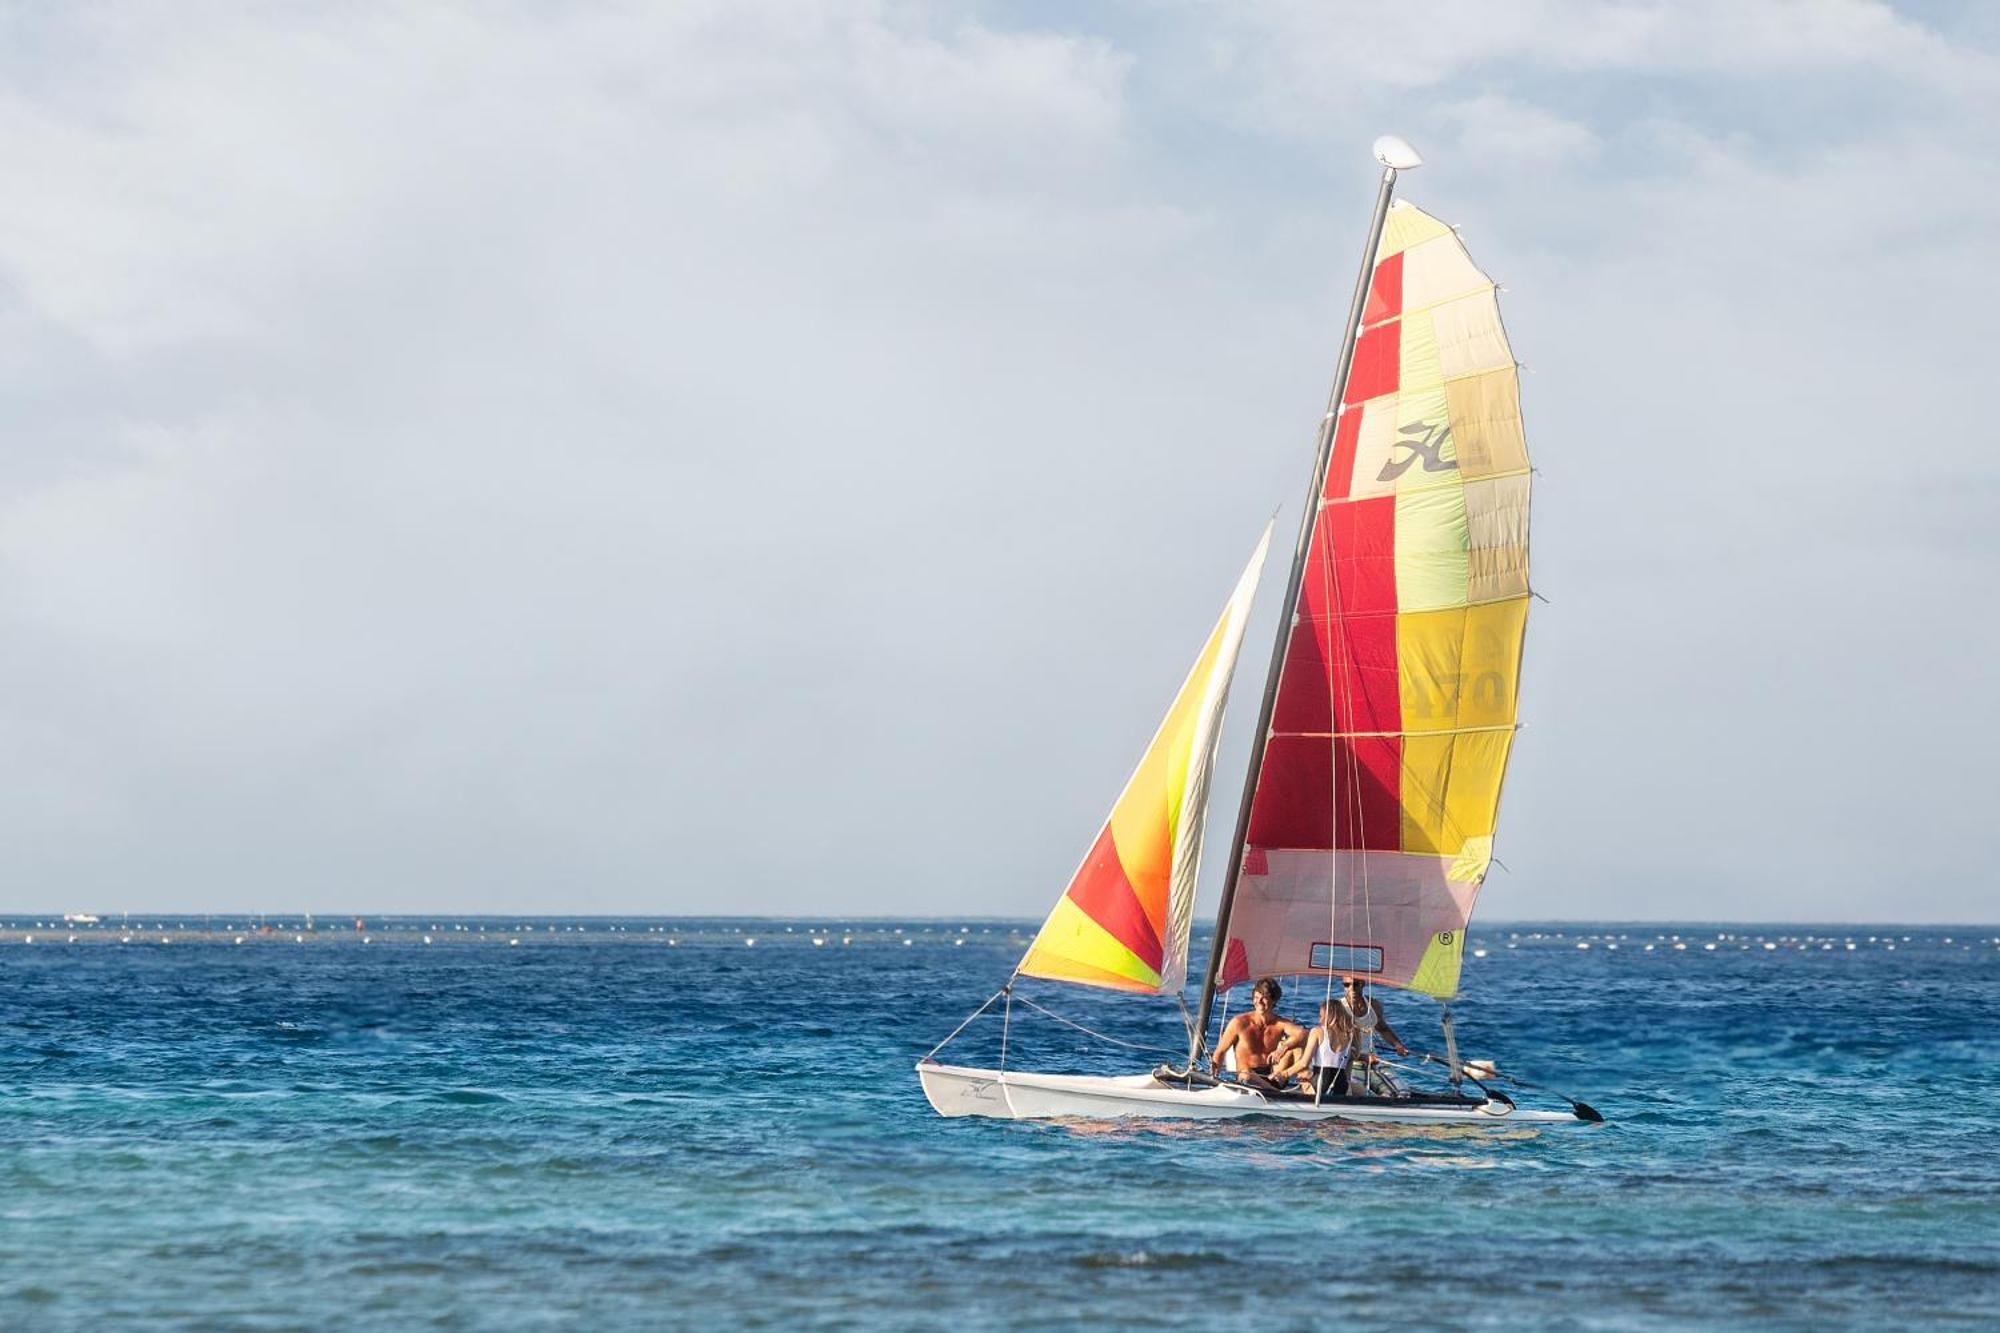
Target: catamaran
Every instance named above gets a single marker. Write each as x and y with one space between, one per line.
1366 823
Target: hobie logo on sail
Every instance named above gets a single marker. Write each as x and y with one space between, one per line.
1425 440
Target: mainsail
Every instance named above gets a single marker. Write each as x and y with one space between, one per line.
1371 818
1123 922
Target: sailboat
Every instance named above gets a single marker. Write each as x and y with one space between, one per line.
1366 823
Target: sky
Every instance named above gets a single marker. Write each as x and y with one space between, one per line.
781 457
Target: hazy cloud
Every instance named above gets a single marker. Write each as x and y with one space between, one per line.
780 457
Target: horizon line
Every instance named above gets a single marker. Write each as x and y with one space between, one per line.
954 917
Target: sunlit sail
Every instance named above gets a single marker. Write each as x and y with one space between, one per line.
1372 818
1123 921
1366 820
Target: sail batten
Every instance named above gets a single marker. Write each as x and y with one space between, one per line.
1371 815
1123 922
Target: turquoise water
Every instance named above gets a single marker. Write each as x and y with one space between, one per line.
649 1123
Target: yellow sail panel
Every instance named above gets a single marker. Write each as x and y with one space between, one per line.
1460 668
1437 970
1123 921
1072 946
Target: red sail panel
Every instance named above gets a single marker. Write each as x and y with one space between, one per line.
1331 772
1340 468
1104 891
1318 797
1340 664
1377 363
1385 291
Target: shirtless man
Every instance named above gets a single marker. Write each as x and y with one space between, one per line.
1260 1038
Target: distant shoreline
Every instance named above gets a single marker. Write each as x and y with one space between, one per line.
343 920
1010 933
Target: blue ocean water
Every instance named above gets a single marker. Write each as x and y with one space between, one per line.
653 1123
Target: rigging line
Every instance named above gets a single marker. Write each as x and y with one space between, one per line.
1438 486
1092 1032
1006 1021
1350 334
1392 735
968 1021
1488 286
1349 678
1433 795
1392 613
1338 710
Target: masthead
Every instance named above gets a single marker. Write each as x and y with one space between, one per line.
1396 154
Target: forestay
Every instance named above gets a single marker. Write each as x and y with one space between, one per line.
1371 824
1123 921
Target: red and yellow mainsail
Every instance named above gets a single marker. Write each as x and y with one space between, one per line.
1123 922
1371 824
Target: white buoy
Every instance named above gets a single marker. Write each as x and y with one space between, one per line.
1476 953
427 939
514 942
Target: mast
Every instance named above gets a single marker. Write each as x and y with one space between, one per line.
1395 155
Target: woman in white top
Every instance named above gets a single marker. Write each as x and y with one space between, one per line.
1328 1046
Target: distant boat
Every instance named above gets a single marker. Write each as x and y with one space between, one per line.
81 918
1366 822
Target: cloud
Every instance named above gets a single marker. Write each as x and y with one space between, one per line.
770 456
1499 132
509 430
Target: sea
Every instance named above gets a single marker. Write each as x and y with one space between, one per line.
487 1123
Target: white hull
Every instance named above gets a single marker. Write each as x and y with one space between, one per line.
956 1090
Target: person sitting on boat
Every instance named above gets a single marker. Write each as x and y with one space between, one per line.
1364 1012
1325 1052
1257 1039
